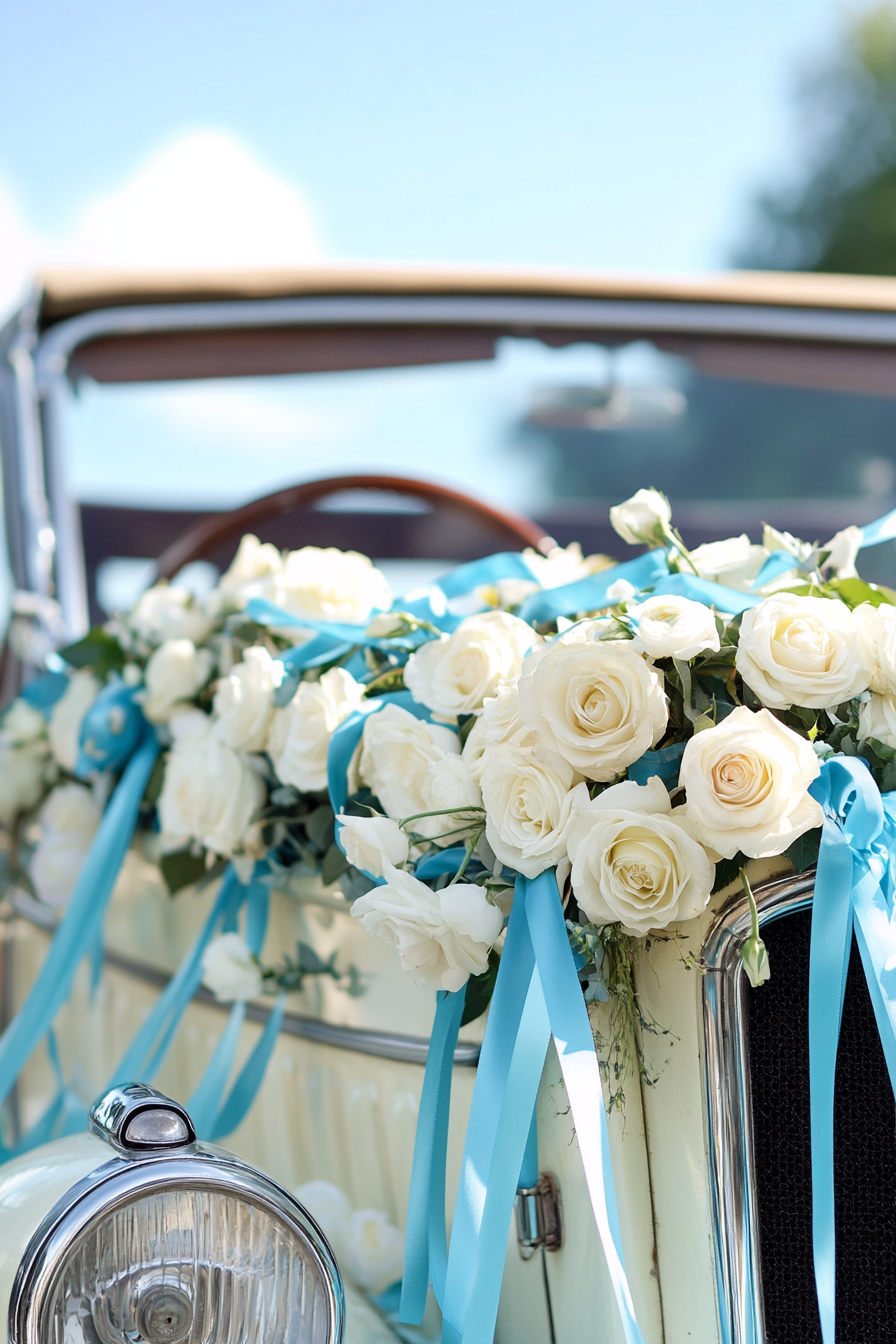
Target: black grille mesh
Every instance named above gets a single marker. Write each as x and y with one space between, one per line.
864 1148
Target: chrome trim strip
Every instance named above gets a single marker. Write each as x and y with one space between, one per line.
720 319
379 1044
124 1179
728 1110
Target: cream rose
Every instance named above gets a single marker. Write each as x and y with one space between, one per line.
455 673
803 651
370 843
442 937
843 550
878 630
168 612
877 719
734 562
674 627
331 585
210 793
747 782
299 736
397 751
68 715
634 861
373 1251
330 1208
176 671
252 568
528 802
24 757
643 518
68 822
598 704
230 970
244 701
499 722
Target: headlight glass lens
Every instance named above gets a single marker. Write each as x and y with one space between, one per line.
189 1266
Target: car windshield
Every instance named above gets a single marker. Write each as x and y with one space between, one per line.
736 434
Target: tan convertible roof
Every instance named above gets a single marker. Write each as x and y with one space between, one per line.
68 293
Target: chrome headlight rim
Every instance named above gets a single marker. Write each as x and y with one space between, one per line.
119 1182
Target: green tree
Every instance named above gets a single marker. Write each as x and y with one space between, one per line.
840 215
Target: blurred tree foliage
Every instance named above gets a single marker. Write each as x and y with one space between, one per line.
841 214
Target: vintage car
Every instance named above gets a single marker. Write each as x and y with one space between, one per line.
747 398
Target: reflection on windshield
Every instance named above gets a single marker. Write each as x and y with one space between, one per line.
557 433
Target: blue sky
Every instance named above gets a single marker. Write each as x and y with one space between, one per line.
570 133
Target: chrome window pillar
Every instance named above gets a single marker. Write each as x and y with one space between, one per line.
728 1106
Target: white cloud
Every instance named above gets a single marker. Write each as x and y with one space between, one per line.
202 202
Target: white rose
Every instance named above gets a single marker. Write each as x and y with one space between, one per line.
448 784
373 1251
878 630
455 673
168 612
643 518
499 722
176 671
299 737
844 548
564 564
528 802
397 750
747 782
634 861
598 704
674 627
209 792
877 719
253 566
67 716
244 701
370 843
330 1208
331 585
803 651
68 822
734 562
229 969
442 937
24 756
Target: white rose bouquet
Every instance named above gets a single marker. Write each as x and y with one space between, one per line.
642 729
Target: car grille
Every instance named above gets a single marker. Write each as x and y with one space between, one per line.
864 1145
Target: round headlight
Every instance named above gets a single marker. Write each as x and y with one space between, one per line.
167 1241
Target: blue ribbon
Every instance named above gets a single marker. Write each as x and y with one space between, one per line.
591 593
853 890
83 917
537 995
665 763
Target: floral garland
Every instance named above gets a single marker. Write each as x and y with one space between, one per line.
527 731
645 750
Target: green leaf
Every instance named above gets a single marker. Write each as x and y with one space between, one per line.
320 827
479 990
181 869
334 864
98 650
856 591
803 853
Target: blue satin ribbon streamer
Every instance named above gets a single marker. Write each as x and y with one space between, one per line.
537 995
853 891
882 529
482 573
591 593
426 1253
82 918
702 590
